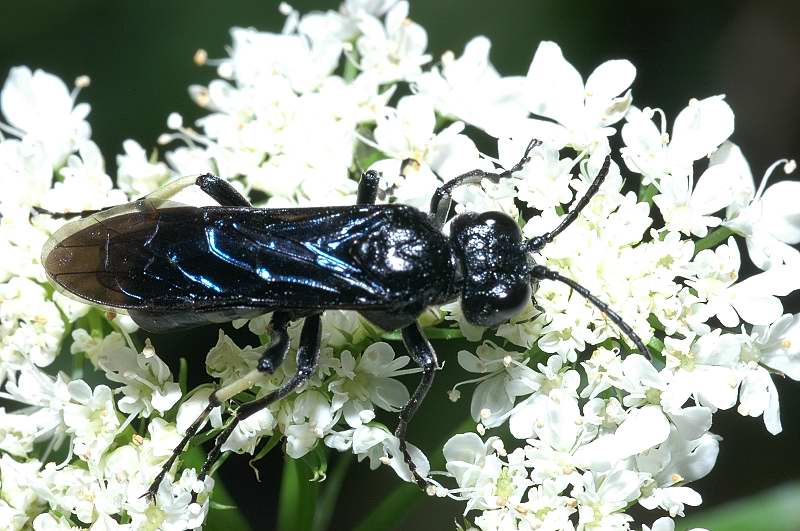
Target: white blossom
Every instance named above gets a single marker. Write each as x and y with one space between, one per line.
585 112
290 119
38 104
765 217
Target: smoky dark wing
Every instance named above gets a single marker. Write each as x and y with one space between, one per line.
220 263
77 256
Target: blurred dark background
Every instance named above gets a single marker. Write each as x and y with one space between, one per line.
139 56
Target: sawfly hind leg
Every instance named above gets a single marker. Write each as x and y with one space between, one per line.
190 432
421 351
307 362
270 361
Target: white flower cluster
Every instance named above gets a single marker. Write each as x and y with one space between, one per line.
596 426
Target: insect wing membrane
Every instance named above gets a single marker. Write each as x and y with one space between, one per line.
76 257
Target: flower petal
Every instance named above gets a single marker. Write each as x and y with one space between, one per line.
700 128
554 87
610 79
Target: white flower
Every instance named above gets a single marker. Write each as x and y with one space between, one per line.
602 369
560 432
484 479
681 459
704 369
173 510
469 88
380 447
259 58
18 431
547 508
20 242
394 50
91 417
70 490
408 133
776 346
455 313
48 522
14 518
342 328
766 217
758 396
492 399
137 175
31 327
40 105
698 130
147 381
248 433
565 334
370 381
310 417
544 181
158 447
688 209
19 500
523 329
85 186
25 172
754 299
602 498
768 347
193 405
555 90
228 362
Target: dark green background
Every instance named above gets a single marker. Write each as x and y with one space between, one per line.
138 55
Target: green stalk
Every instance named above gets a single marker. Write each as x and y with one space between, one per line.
326 505
350 69
77 365
267 448
95 323
297 499
430 333
183 376
719 235
646 193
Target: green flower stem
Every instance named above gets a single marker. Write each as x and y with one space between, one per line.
77 365
326 504
298 497
95 323
719 235
430 333
350 69
183 376
646 193
389 513
267 448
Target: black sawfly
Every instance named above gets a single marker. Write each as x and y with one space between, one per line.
170 266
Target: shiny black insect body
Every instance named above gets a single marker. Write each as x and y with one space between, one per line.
171 266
